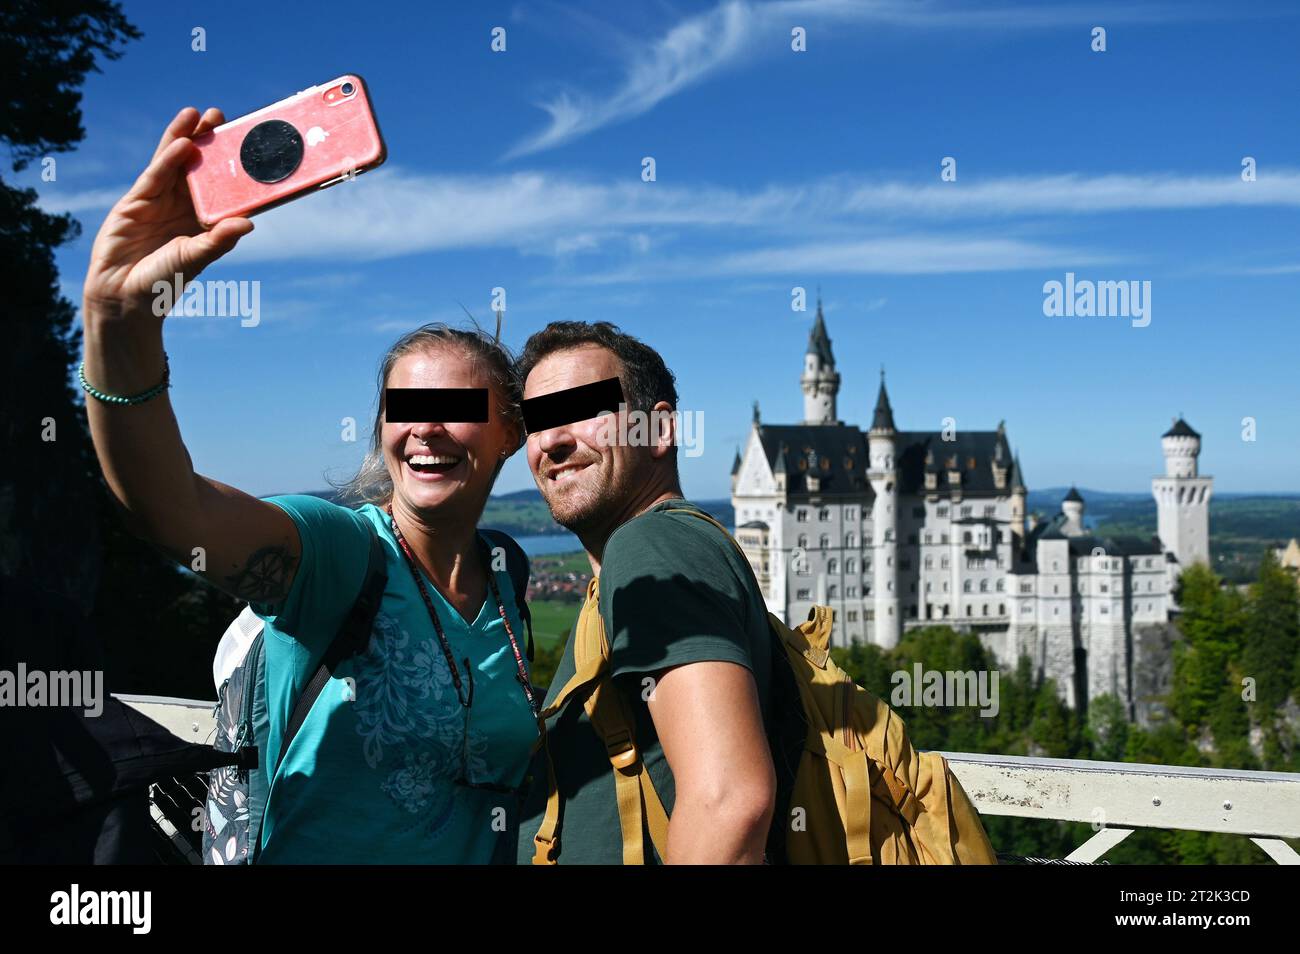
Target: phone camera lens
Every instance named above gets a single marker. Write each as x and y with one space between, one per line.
348 89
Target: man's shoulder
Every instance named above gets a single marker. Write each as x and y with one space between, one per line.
673 530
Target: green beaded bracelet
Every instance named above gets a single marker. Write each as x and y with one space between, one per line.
140 398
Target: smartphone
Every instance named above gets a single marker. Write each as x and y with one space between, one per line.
312 140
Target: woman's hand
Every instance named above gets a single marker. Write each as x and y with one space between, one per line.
152 233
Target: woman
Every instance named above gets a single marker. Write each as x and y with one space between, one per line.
413 760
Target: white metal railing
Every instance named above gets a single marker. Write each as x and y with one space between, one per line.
1116 798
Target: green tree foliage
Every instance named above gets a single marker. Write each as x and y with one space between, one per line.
63 543
1272 633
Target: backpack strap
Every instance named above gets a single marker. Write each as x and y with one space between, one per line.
518 568
352 639
639 804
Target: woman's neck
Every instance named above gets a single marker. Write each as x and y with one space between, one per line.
447 551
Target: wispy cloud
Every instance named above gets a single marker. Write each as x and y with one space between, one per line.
727 35
841 222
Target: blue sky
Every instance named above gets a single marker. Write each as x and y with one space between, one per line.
775 169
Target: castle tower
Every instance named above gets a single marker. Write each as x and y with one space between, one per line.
1072 507
1019 502
820 381
882 450
1183 497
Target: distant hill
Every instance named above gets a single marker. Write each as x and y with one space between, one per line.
1241 525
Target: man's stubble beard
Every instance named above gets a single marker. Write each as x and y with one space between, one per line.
594 509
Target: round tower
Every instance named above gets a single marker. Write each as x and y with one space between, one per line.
820 381
1183 498
881 452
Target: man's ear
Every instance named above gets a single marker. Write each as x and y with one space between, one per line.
665 430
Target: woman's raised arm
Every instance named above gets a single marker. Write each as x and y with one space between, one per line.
250 548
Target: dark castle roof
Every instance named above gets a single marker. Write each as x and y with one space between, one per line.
1074 496
1180 429
883 420
840 455
819 343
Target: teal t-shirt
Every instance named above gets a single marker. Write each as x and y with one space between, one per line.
372 774
673 590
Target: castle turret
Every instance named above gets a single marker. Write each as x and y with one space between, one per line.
1183 497
1019 500
820 381
1072 507
882 451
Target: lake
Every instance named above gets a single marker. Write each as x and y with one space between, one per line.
549 543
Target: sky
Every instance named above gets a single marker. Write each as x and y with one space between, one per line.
774 169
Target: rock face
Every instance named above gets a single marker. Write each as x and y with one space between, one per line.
1153 670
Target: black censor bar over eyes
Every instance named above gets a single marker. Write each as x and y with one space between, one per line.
572 404
436 405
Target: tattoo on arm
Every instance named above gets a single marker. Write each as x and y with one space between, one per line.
266 576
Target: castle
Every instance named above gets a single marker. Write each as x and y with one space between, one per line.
899 529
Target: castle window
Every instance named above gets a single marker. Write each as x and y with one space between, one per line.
1026 587
832 592
928 586
824 541
945 586
801 594
853 616
823 514
1002 609
1026 607
871 615
866 590
929 537
1104 609
850 539
889 536
832 565
944 539
851 592
850 565
990 510
929 563
1002 584
968 612
967 586
802 541
965 511
801 515
965 537
984 586
943 563
942 512
984 610
1105 588
849 513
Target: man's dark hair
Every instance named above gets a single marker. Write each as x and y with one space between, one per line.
646 379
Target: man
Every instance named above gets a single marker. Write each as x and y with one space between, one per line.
687 627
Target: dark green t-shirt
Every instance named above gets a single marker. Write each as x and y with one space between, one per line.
673 590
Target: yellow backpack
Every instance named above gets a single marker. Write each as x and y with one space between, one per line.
862 794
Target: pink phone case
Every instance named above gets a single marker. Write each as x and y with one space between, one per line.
248 165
